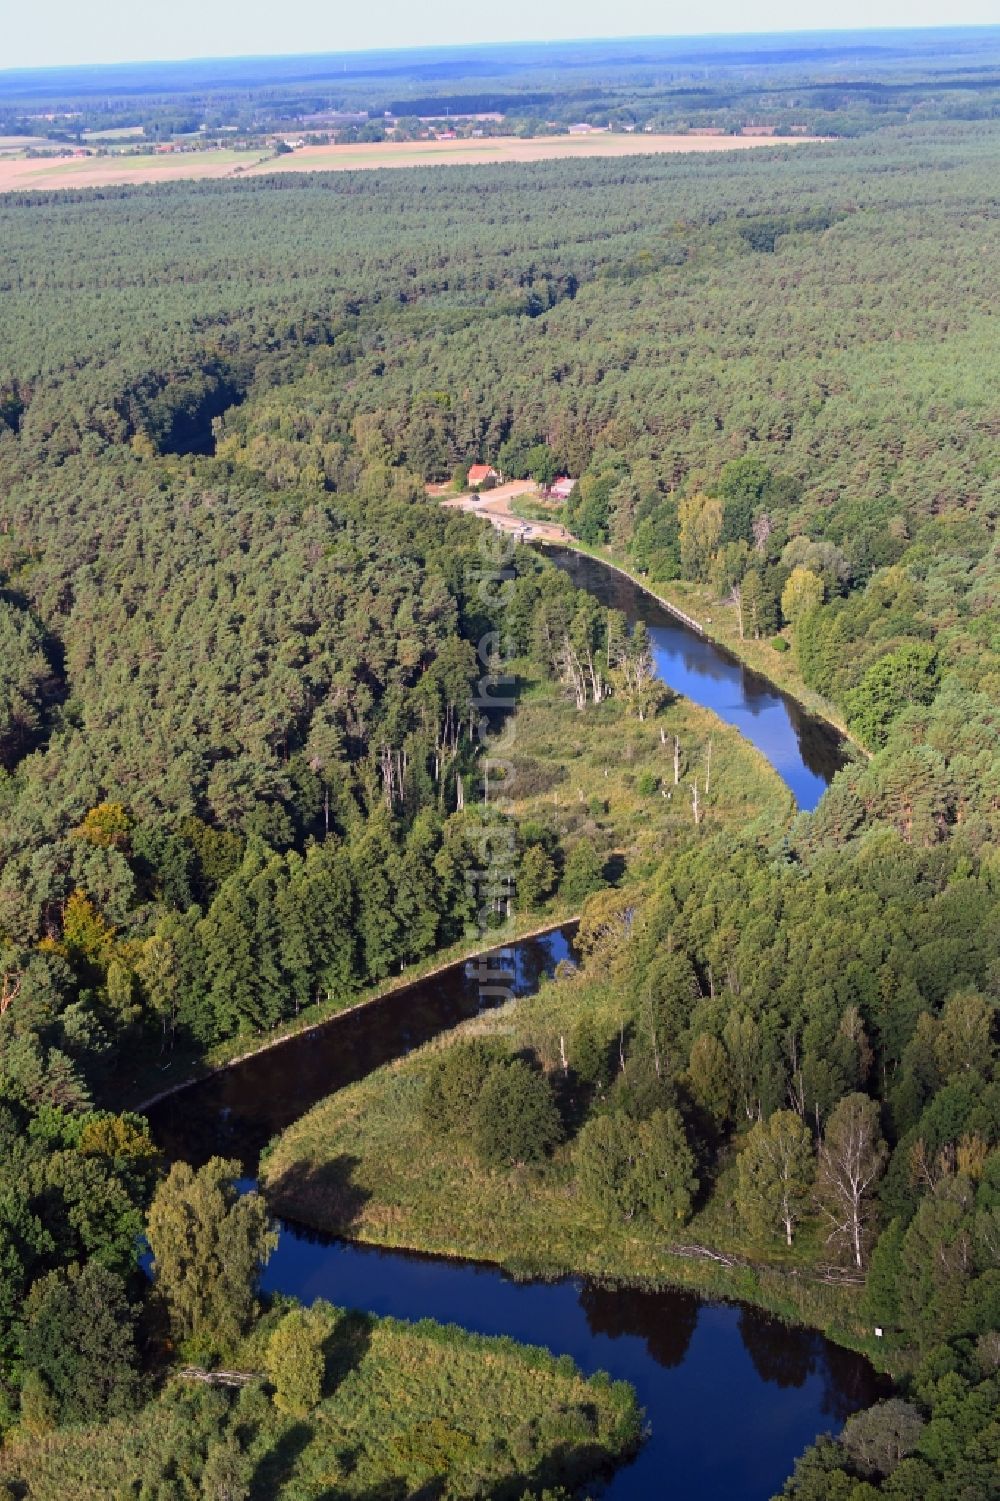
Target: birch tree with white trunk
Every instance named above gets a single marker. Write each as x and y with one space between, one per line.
852 1158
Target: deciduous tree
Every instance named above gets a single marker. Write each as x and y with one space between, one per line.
776 1170
79 1340
852 1157
209 1243
296 1360
516 1118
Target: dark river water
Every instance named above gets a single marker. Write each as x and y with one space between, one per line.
731 1396
805 751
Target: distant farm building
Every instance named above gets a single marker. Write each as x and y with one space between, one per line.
483 476
562 487
337 117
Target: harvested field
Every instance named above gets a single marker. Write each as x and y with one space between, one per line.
91 172
507 149
22 143
20 173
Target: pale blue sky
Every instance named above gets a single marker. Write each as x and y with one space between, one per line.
36 33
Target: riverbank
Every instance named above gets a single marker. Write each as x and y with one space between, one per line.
234 1050
362 1165
510 508
699 609
601 773
598 792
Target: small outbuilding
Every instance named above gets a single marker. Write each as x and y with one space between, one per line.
483 477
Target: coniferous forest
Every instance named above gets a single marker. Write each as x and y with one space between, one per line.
242 742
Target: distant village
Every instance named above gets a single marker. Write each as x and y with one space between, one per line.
66 134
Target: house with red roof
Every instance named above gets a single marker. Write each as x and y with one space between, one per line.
482 477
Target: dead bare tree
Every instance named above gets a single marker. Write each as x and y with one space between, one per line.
763 526
217 1378
571 671
796 1084
736 600
10 989
591 662
392 765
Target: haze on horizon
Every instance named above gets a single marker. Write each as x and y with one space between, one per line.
65 34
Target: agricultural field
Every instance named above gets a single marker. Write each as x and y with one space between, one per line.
245 750
13 145
19 173
94 172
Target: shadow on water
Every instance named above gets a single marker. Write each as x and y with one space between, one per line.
805 751
731 1396
666 1324
236 1112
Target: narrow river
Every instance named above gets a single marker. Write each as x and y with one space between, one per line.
806 752
731 1396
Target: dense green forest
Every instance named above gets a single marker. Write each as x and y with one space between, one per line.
240 743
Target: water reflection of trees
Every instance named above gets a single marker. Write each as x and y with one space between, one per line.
666 1321
536 959
849 1383
788 1356
780 1353
822 749
236 1112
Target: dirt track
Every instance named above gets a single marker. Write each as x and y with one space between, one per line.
495 505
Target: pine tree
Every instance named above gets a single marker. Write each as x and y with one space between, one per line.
535 878
582 874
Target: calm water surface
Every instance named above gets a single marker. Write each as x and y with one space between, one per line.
235 1113
805 751
731 1396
